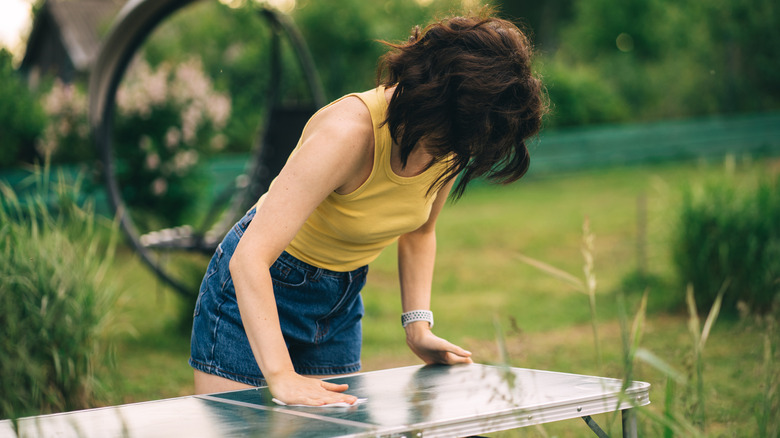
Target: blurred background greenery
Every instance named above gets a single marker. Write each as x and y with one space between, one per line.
641 60
663 132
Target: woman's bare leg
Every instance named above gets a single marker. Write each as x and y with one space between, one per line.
209 383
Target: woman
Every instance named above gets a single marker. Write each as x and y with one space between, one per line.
280 301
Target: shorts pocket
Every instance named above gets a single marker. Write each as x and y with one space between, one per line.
196 312
344 301
287 275
214 264
208 278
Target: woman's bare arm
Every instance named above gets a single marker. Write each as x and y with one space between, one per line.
335 150
416 258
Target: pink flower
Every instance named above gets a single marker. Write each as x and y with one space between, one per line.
157 86
152 161
218 109
159 186
172 137
191 118
183 161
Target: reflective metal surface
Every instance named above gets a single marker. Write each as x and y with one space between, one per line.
412 401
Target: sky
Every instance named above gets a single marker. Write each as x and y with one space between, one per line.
14 24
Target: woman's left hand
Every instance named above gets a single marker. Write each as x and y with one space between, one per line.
433 349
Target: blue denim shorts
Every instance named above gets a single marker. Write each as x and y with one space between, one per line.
319 311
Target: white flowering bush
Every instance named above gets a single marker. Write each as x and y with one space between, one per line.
66 136
169 120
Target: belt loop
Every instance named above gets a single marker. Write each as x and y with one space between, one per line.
316 274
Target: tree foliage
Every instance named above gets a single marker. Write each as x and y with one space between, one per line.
670 59
602 62
21 117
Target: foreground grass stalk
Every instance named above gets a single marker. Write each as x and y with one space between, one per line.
700 335
671 422
631 337
768 416
590 286
669 406
586 285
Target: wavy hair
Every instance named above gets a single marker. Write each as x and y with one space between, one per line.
465 89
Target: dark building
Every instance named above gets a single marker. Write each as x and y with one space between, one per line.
65 38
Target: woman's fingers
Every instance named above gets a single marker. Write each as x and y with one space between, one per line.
297 389
452 354
335 387
332 394
433 349
459 351
453 358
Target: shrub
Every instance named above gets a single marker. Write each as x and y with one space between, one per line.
57 304
66 137
21 118
730 238
169 120
580 97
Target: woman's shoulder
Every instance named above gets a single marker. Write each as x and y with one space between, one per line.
348 117
343 129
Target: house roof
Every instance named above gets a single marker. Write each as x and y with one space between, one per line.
80 25
82 22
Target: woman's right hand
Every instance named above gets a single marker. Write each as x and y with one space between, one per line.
293 388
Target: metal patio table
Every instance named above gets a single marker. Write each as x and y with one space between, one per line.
416 401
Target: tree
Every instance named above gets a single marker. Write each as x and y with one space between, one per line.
21 117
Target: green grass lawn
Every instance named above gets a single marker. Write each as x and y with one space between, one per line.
481 286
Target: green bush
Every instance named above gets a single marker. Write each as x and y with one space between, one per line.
730 237
234 47
57 303
670 58
21 118
579 96
169 121
66 137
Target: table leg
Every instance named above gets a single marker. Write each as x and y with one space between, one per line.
629 423
595 427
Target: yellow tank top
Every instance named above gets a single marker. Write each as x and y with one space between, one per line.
348 231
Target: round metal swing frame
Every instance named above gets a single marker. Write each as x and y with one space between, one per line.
133 25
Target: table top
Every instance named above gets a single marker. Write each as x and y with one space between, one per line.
433 400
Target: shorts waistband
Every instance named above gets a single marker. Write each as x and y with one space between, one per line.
316 272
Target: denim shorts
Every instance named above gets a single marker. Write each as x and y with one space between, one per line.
319 312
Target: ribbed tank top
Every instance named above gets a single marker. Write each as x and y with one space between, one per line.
348 231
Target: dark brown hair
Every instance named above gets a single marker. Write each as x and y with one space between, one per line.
464 88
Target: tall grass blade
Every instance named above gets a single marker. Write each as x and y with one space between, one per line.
713 315
656 362
631 341
700 336
693 317
639 323
675 424
590 285
669 406
768 415
562 275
